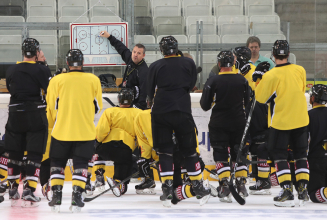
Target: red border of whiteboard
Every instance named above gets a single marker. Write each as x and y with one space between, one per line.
90 24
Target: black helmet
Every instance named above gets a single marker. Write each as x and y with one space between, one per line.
126 96
319 91
242 53
281 48
225 58
29 47
74 57
168 45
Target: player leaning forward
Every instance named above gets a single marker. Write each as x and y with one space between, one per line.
26 128
174 77
77 97
283 88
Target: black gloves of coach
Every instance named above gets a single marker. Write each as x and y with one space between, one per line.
261 69
144 167
243 66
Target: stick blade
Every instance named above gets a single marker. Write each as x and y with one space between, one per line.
236 196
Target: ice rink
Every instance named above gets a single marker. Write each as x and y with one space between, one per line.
140 207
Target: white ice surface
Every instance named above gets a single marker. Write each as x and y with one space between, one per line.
142 207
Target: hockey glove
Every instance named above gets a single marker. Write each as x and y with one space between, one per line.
261 69
144 167
244 67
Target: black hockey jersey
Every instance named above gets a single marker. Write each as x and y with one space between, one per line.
227 94
317 129
27 81
170 81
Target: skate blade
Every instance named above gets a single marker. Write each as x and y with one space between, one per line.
145 192
136 180
287 203
55 209
29 204
227 199
75 209
204 200
214 191
260 192
167 203
101 188
214 176
14 203
302 203
116 192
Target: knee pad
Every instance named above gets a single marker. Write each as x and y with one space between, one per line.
263 151
220 152
80 163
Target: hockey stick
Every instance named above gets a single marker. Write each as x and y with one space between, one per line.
110 188
237 196
70 166
109 101
3 181
211 171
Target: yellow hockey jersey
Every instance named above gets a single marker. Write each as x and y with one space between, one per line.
77 97
117 124
143 130
284 87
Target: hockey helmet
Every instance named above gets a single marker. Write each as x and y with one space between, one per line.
281 48
168 46
242 53
319 92
225 58
74 57
126 96
30 47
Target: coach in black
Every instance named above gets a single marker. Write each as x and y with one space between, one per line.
136 72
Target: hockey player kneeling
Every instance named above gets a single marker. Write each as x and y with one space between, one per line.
115 130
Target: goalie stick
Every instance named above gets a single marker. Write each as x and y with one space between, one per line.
110 188
236 196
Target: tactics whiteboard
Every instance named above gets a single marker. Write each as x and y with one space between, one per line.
97 50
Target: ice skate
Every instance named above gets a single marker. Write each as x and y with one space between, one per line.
99 180
262 187
240 187
168 191
89 188
77 199
200 190
146 187
28 197
302 194
55 202
285 197
213 192
3 188
13 193
115 190
46 191
223 191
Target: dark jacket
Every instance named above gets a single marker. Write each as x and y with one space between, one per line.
135 76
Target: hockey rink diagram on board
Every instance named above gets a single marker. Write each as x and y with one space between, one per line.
97 50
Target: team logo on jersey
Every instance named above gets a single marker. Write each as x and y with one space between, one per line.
219 166
197 166
37 172
276 167
84 172
160 168
3 161
10 171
